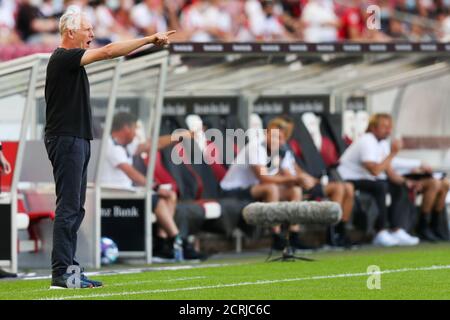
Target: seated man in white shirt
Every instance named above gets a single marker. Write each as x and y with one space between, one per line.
254 176
118 171
207 21
320 22
434 189
340 192
148 17
366 164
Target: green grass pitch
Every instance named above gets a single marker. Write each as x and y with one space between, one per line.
421 272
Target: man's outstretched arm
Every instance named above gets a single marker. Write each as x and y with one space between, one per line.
122 48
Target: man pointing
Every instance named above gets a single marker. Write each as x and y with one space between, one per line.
68 131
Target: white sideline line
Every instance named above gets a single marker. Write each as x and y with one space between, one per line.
121 284
140 270
241 284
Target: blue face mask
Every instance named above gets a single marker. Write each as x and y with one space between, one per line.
411 4
113 4
58 5
385 13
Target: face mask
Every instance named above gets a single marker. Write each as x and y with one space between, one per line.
411 4
58 5
127 4
113 4
385 13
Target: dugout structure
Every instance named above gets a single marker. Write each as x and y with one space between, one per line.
31 188
406 80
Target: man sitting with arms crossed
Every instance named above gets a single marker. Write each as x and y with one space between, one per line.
367 165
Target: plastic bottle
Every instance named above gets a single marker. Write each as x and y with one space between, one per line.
178 249
324 180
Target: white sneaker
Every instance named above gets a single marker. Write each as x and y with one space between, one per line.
405 239
385 239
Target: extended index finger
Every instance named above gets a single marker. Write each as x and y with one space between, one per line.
168 33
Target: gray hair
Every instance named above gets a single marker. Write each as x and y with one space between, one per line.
71 19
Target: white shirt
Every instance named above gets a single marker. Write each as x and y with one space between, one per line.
366 149
268 28
143 18
241 175
7 8
315 14
288 163
105 21
199 17
445 27
271 29
116 154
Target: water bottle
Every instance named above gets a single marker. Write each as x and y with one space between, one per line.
324 180
178 249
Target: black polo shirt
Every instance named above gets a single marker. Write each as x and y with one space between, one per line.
67 95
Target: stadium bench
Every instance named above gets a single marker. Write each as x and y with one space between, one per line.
34 244
27 219
199 183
